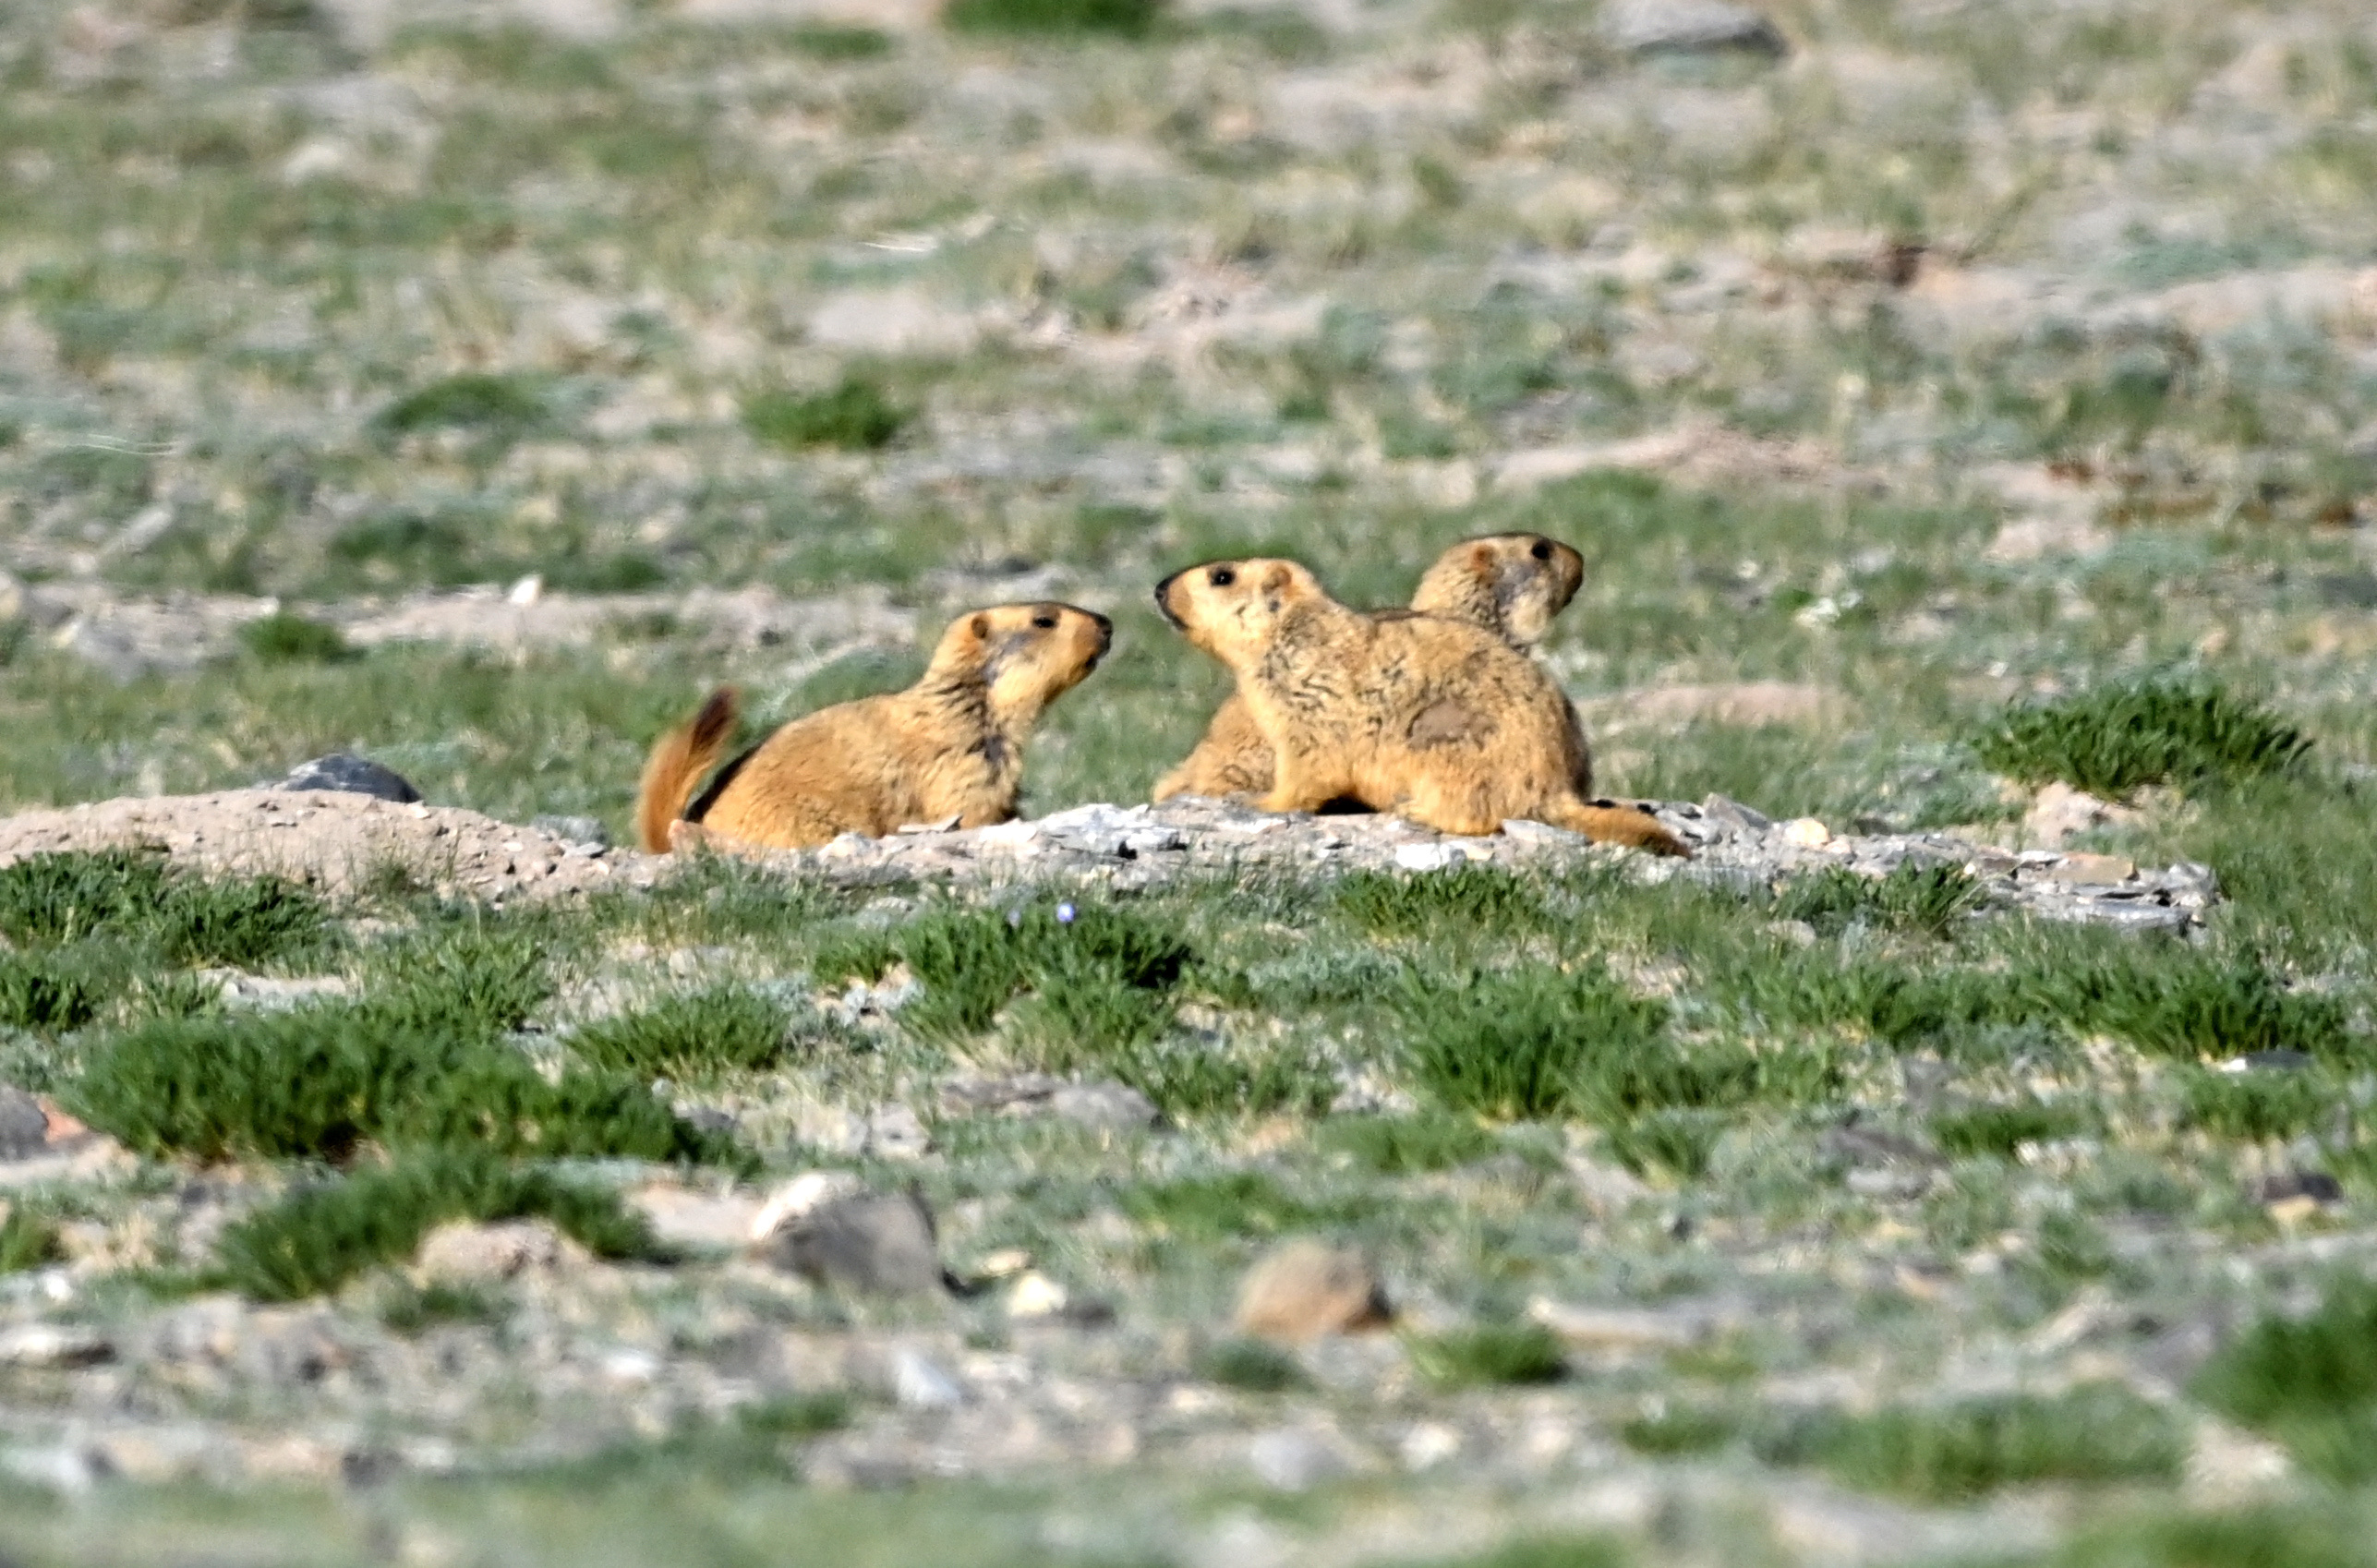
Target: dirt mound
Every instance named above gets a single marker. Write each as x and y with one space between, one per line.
334 840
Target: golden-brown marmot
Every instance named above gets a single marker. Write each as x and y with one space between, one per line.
950 745
1511 585
1434 719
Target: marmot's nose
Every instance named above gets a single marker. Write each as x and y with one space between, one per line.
1105 631
1164 599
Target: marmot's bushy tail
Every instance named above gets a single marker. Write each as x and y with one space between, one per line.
1618 824
679 761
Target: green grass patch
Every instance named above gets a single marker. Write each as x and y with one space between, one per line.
2332 1533
2308 1381
29 1239
1488 1354
409 1310
1461 898
1547 1551
499 408
320 1081
245 921
823 42
39 993
1055 18
723 1029
284 637
316 1240
1996 1131
2110 740
1518 1044
856 415
1955 1452
49 901
1933 899
1407 1145
2260 1106
1205 1209
1252 1365
1668 1430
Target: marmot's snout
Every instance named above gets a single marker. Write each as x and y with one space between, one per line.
1164 601
1105 637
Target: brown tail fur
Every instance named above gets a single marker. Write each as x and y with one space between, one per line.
680 759
1617 824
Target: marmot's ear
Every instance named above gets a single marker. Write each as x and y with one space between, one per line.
979 626
1276 581
1481 555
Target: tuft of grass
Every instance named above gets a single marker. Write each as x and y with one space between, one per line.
723 1029
1959 1452
2308 1382
1407 1145
1518 1045
2111 740
411 1309
1667 1430
1488 1354
1119 18
1933 899
1996 1131
502 407
1204 1210
245 922
318 1081
316 1240
464 979
856 416
1252 1365
2259 1107
38 994
2189 1006
1547 1551
797 1415
52 899
2326 1535
821 40
284 637
1464 896
28 1239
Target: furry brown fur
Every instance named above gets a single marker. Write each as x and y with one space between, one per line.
1434 719
950 745
1511 585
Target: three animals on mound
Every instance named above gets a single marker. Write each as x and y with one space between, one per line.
1437 713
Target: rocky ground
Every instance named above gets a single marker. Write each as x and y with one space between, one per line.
1968 414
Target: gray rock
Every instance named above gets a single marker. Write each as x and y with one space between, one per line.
573 829
24 1126
2317 1186
1692 27
918 1385
350 774
881 1243
1117 1105
1730 815
1290 1460
53 1345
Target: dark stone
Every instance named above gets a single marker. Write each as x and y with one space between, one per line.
24 1127
2317 1186
880 1243
1693 27
350 774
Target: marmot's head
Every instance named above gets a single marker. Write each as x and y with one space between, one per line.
1232 609
1512 584
1028 654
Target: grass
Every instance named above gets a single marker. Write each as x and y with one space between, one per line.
58 900
2308 1382
29 1239
1487 1356
1464 896
2095 1434
856 415
1996 1131
1252 1365
1518 1045
1932 900
2111 740
413 1310
1407 1145
38 994
316 1240
286 639
687 1036
1056 18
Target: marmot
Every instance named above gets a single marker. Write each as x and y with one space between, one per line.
1511 585
1434 719
950 745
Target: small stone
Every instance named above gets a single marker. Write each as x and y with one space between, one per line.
526 592
1426 857
2267 1061
802 1196
1035 1295
2059 813
53 1346
896 1132
505 1250
918 1385
350 774
579 830
2093 870
1724 812
1301 1290
883 1244
1618 1328
2314 1189
24 1128
1806 833
1291 1460
1104 1105
1522 830
1798 932
1692 27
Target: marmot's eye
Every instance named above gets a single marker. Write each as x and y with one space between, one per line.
1221 576
1045 622
1542 550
